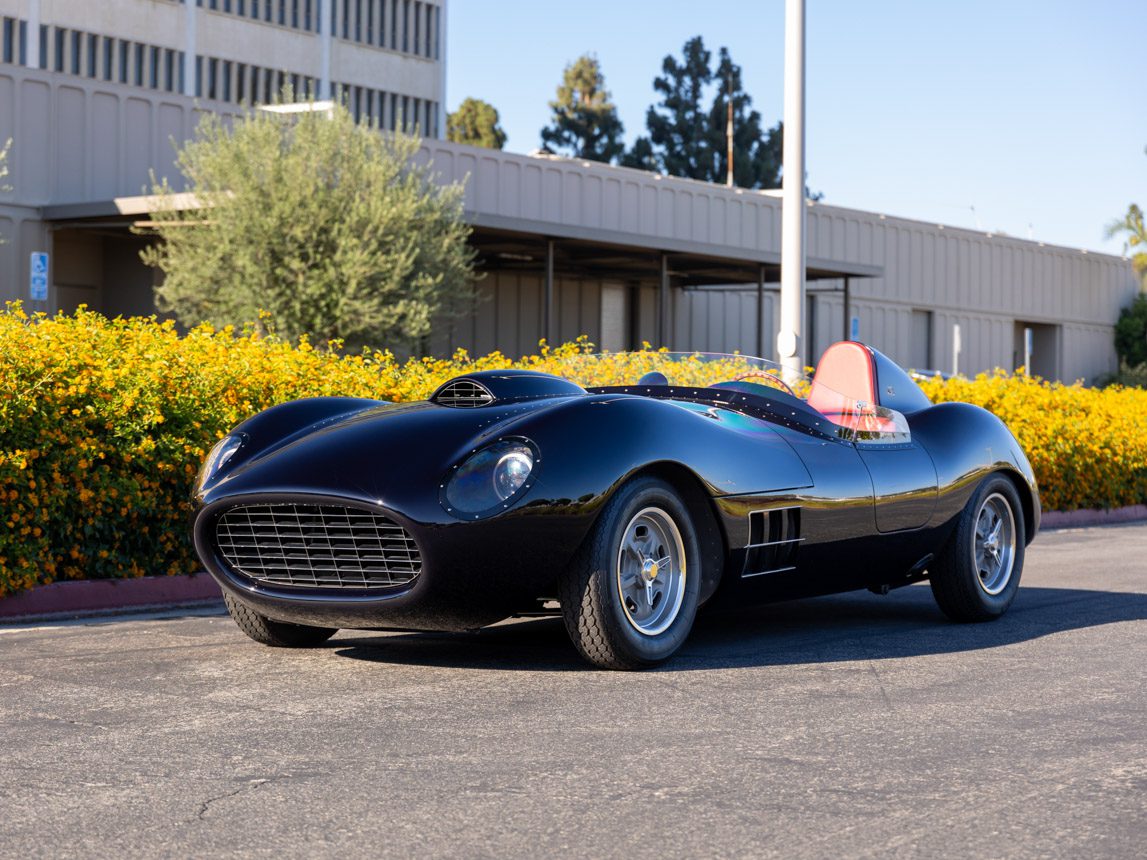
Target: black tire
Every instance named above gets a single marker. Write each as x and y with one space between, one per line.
597 618
964 591
277 634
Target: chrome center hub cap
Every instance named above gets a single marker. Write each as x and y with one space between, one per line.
649 570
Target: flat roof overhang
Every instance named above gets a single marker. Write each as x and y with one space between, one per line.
506 244
522 245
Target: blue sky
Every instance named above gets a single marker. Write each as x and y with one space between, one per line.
1031 112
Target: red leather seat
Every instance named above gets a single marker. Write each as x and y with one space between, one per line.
844 388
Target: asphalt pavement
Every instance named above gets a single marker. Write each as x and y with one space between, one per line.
846 726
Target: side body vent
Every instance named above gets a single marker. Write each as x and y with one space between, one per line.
464 394
774 537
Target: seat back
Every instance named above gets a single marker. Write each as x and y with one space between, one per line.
845 376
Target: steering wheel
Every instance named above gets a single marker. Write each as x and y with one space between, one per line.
767 378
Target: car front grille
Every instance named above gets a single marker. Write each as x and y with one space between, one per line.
317 546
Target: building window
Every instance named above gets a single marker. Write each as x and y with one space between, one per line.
225 92
417 27
437 32
154 68
393 24
124 60
9 40
406 26
59 58
77 51
212 79
109 58
93 63
241 83
138 78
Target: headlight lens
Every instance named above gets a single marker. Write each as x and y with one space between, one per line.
487 480
217 458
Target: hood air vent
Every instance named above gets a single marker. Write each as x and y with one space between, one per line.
464 394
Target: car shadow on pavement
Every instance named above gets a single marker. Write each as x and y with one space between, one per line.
838 628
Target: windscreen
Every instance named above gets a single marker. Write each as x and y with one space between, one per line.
851 417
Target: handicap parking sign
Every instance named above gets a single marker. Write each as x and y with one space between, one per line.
38 282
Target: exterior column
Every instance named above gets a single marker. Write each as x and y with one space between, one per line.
439 48
761 312
663 303
790 337
548 296
847 310
32 47
190 19
326 22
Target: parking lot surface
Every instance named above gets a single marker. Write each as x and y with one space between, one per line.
846 726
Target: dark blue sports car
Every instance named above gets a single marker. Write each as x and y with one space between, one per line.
623 508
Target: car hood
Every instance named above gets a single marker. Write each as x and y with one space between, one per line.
385 455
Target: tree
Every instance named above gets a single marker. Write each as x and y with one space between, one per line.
585 122
756 153
679 126
325 224
1131 332
687 132
476 123
1131 226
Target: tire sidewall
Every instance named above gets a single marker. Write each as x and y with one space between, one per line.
639 647
993 604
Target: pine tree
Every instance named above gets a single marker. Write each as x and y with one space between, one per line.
585 122
476 123
679 124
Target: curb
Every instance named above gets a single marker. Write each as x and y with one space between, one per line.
1093 517
80 598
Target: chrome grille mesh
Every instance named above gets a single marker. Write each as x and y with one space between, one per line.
464 393
317 546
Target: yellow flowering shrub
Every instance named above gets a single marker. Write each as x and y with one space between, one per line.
103 425
1088 446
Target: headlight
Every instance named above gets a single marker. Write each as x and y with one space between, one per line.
217 458
490 479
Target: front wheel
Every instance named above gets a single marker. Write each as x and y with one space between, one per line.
630 595
977 575
278 634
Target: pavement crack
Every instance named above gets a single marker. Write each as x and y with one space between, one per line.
81 723
250 785
880 683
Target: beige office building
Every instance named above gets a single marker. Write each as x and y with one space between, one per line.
568 247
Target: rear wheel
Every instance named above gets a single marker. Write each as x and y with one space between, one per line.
977 575
630 595
278 634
